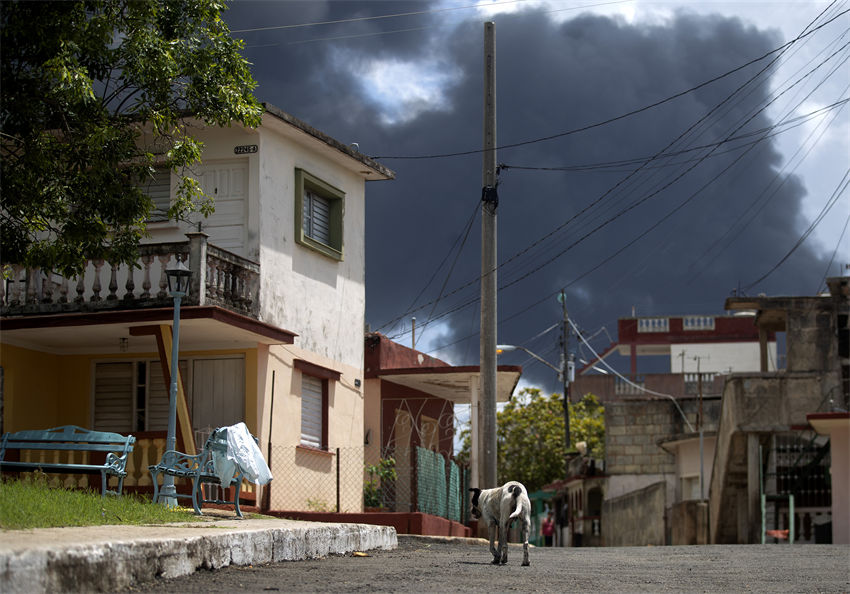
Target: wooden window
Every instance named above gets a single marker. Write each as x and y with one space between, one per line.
318 215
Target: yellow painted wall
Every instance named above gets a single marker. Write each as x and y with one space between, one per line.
44 390
314 470
30 390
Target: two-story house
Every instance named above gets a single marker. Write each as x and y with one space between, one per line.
271 332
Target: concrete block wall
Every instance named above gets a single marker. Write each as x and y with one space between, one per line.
632 430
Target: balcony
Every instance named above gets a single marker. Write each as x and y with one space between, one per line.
610 388
221 279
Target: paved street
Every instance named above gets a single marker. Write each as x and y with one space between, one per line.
423 565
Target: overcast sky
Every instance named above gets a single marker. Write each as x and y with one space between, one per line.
685 157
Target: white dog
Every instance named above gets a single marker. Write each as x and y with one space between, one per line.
499 507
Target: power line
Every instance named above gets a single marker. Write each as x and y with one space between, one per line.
749 214
391 16
842 186
835 251
625 115
628 381
701 120
454 263
646 231
367 18
791 124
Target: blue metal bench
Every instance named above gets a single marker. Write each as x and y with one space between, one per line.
200 469
69 438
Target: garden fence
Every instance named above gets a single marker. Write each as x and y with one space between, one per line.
333 481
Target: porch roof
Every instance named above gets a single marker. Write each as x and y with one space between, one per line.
201 327
453 383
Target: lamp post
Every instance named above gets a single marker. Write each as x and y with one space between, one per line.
178 287
564 373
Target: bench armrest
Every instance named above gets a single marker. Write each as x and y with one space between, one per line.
182 462
116 463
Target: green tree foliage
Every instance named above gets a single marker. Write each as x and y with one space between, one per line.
94 94
530 434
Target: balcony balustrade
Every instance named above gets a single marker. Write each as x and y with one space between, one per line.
221 278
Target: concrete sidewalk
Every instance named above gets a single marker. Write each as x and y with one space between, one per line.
109 558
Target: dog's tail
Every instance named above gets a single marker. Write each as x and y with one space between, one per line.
515 492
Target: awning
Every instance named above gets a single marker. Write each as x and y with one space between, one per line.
453 383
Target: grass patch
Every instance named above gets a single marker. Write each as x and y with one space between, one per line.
31 503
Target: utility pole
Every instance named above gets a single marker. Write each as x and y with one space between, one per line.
489 204
565 378
699 426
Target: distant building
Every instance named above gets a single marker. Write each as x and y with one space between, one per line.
660 427
766 445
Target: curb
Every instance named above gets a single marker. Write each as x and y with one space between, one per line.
104 562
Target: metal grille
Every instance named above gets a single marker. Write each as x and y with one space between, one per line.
798 464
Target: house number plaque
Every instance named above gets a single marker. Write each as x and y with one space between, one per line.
245 149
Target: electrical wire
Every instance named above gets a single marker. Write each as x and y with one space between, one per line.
645 232
839 190
613 165
623 116
802 35
628 381
390 16
454 263
367 18
835 251
743 221
464 235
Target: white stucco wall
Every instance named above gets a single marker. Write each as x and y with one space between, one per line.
723 357
688 460
219 144
321 299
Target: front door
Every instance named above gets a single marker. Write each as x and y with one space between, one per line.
218 392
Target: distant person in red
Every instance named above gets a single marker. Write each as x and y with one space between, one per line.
547 529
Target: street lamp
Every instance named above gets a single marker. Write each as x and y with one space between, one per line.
178 287
565 375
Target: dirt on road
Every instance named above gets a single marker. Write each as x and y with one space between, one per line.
420 564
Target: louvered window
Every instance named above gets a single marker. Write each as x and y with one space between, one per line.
312 411
319 215
131 396
158 189
113 397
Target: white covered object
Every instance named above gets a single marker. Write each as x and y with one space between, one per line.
242 451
